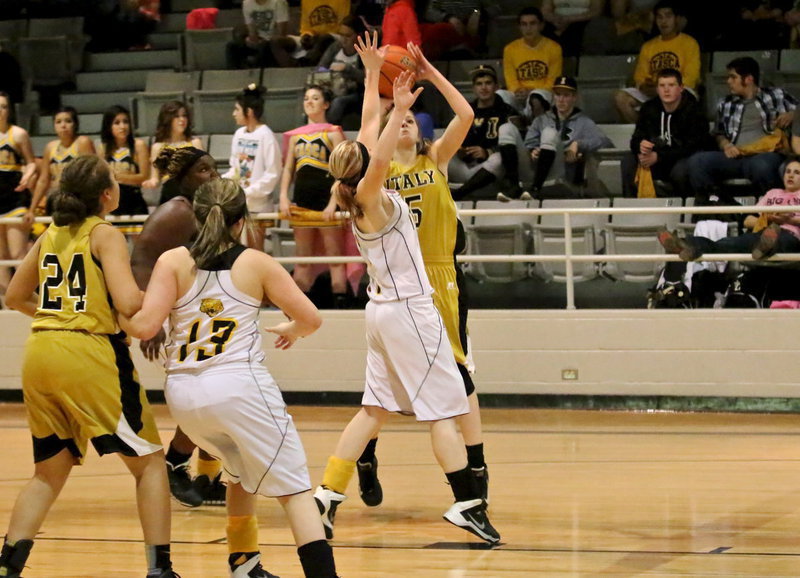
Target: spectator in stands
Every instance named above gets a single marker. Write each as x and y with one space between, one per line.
539 102
347 72
567 19
255 161
400 24
532 61
749 132
57 154
795 142
173 128
265 20
454 28
772 232
11 81
129 159
490 150
370 12
757 25
17 173
670 49
319 21
792 19
559 142
623 31
312 213
670 129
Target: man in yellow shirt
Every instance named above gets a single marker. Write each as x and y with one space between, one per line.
532 61
670 49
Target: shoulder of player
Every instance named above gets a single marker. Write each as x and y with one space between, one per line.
255 258
177 212
176 256
104 232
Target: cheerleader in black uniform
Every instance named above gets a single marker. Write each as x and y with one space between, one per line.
128 158
316 231
17 175
57 154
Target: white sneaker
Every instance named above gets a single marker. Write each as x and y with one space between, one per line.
503 198
471 516
526 196
327 502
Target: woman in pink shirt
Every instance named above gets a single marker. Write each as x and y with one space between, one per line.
777 232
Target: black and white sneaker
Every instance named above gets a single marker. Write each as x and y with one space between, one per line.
212 492
327 502
471 516
482 477
369 486
247 565
181 486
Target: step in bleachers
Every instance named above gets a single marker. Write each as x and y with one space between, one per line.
97 102
133 60
111 80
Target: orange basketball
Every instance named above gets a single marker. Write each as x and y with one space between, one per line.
397 60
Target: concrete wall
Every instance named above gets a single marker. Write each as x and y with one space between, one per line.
736 353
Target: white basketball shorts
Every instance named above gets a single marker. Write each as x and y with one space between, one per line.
410 365
237 414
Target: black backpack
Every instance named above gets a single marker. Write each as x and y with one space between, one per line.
670 292
746 291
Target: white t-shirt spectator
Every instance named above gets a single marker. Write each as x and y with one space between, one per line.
265 15
256 162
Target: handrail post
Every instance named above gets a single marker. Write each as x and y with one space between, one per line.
569 265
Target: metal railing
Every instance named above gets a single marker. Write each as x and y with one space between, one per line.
569 258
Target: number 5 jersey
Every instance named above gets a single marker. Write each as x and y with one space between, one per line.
214 322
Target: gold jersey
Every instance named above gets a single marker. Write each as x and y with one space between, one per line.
72 288
424 188
433 212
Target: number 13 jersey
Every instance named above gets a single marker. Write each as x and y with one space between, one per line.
214 322
72 287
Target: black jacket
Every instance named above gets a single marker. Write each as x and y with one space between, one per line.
677 135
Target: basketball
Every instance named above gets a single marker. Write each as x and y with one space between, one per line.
397 60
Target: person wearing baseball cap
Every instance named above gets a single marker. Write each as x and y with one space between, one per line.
493 146
560 140
565 83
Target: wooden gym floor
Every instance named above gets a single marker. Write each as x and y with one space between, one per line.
573 493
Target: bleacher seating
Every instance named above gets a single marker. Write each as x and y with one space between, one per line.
636 233
205 49
219 147
10 33
117 78
549 238
500 235
213 103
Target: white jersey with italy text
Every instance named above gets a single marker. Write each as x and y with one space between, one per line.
214 322
393 255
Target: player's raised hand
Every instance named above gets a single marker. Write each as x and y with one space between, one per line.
425 69
371 55
403 97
